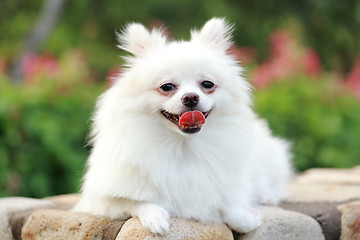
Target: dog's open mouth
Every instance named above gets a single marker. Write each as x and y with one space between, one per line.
188 122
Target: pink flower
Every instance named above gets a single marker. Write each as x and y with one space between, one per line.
280 42
280 64
262 76
312 62
37 65
245 54
288 58
353 80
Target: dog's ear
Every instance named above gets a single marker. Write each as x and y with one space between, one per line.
216 33
136 39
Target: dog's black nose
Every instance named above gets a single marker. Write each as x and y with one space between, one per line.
190 99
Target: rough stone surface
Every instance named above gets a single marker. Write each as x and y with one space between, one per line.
179 229
65 201
285 225
317 193
329 185
326 213
323 192
58 224
112 229
330 176
350 220
13 213
325 203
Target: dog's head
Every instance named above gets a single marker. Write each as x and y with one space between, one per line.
186 83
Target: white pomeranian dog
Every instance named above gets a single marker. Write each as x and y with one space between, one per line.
176 136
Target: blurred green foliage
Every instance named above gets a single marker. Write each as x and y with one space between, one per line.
321 121
331 27
42 137
44 122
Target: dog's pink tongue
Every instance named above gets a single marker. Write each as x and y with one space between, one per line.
191 119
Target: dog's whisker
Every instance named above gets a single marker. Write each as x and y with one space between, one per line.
156 110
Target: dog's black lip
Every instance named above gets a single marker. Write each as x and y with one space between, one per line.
174 118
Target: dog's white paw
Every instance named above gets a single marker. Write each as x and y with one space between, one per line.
242 219
154 218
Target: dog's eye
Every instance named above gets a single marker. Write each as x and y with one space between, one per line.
167 87
207 84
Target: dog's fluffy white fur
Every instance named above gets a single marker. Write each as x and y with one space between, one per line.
144 165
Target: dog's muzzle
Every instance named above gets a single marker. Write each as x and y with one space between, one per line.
189 121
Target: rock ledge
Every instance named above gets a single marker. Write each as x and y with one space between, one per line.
324 204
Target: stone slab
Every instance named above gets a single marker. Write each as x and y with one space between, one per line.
179 229
326 213
329 198
285 225
325 185
112 229
65 201
350 220
322 192
13 213
330 176
59 224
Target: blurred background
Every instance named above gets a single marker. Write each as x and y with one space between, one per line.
57 56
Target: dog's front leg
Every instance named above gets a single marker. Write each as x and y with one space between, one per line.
153 217
242 219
